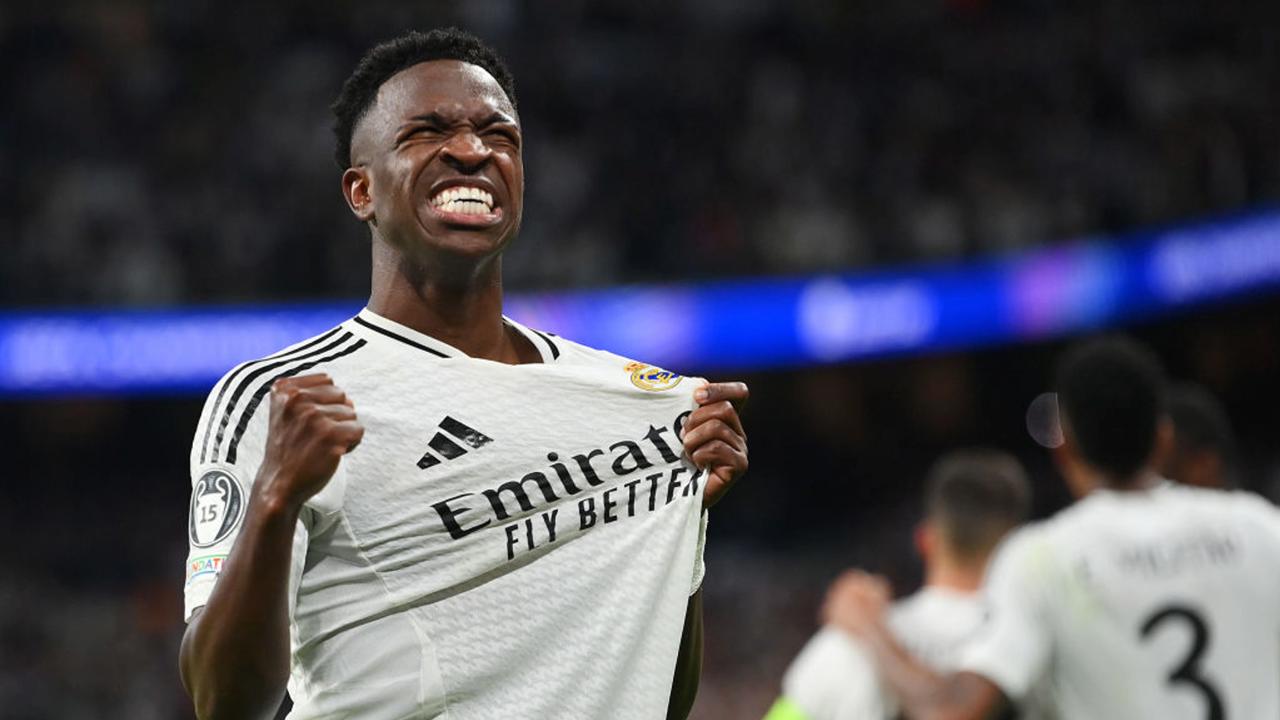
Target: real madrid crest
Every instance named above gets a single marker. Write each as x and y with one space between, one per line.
655 379
217 506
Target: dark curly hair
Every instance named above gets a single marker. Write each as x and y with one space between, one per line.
1112 394
390 57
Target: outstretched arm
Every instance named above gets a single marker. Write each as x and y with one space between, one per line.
856 604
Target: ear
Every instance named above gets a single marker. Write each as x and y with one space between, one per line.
924 538
357 188
1072 468
1163 448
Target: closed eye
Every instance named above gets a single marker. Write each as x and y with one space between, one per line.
419 131
507 134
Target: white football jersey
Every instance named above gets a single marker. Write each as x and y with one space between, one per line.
1162 603
835 678
506 541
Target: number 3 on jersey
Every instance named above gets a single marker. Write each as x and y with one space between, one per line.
1189 671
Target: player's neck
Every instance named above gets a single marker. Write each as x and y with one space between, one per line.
949 574
1144 479
466 315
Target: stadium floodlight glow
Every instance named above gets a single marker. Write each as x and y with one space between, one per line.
730 325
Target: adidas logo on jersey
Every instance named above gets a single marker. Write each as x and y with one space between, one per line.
444 445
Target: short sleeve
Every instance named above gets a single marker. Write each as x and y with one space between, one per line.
1012 647
834 678
699 564
225 455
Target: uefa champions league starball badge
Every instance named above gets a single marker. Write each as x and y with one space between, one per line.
217 506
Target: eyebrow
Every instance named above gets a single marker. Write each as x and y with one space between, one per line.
435 118
497 117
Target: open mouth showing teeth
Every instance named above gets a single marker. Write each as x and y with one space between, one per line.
463 201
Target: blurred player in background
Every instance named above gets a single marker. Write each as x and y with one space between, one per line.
1145 599
1203 449
512 525
972 498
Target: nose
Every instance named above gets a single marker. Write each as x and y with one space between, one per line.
466 152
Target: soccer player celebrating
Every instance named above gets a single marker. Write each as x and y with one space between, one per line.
972 498
1145 599
432 510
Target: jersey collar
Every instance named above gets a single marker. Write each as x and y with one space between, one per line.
1160 486
368 320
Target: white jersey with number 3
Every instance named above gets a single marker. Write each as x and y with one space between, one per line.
507 540
1163 603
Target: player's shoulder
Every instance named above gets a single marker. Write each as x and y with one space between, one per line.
1169 507
1234 501
293 359
1251 502
1028 551
570 352
1027 537
643 375
1100 516
934 613
1176 503
936 622
231 409
1252 510
934 602
906 611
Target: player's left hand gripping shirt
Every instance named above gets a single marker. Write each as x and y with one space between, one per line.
507 541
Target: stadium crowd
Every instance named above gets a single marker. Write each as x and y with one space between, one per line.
180 151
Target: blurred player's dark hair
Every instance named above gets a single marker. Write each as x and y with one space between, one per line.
390 57
1200 425
976 496
1111 394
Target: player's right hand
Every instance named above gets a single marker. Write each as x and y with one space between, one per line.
313 424
857 602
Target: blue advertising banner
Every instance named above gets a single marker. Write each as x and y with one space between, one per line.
732 325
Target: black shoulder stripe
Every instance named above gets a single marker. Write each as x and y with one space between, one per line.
258 372
394 336
213 412
266 388
555 351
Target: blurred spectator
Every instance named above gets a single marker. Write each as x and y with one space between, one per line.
180 151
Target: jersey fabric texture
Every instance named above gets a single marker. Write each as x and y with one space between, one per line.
506 541
1163 603
835 678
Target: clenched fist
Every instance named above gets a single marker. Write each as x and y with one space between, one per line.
313 424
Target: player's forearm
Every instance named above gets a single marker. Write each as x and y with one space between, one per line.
688 674
235 654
